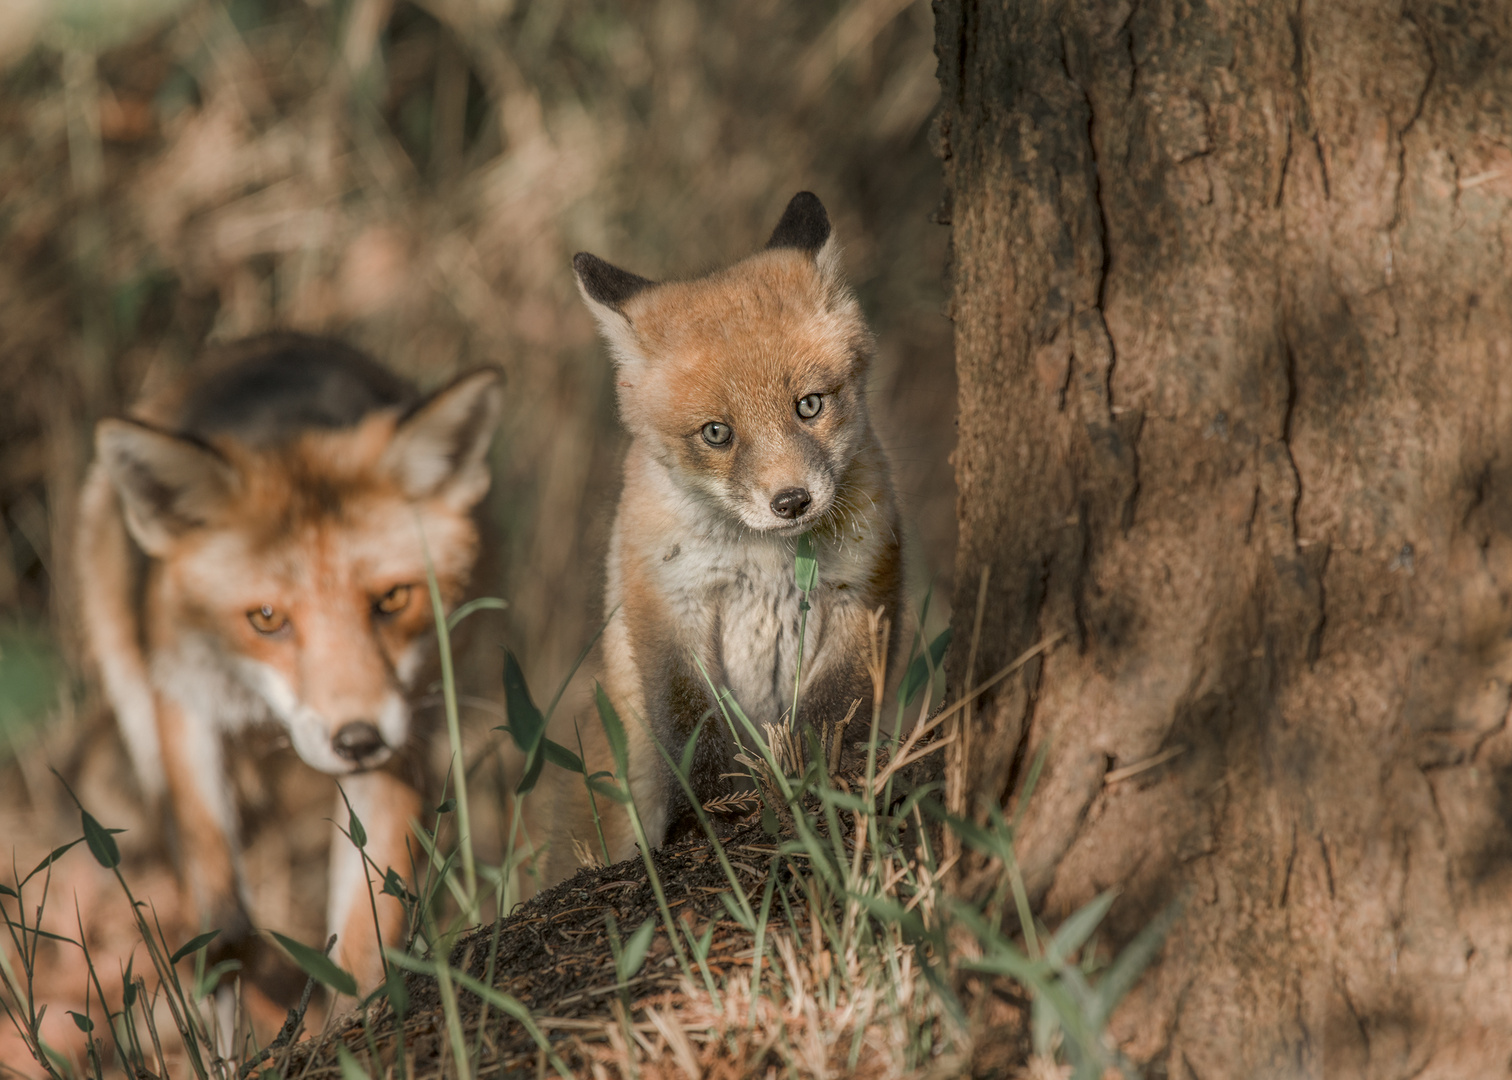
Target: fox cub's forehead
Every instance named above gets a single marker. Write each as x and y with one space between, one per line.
772 294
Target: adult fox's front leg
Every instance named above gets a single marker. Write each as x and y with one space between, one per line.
384 804
204 816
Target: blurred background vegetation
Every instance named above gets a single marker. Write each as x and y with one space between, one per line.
414 177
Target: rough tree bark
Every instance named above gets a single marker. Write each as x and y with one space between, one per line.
1232 331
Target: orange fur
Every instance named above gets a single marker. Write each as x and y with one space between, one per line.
284 583
700 569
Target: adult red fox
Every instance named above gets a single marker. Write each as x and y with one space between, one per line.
250 552
745 396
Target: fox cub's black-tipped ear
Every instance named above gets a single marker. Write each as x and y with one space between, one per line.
804 225
168 485
441 448
606 284
607 289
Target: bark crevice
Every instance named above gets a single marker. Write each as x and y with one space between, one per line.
1231 362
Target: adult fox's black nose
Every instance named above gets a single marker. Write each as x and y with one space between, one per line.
791 503
357 740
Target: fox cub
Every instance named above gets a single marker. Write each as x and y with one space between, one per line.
250 553
745 396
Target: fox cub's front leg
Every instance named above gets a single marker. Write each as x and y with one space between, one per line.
682 709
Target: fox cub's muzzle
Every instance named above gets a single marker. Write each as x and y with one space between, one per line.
791 503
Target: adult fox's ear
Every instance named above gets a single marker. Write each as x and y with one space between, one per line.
606 289
441 448
168 485
805 227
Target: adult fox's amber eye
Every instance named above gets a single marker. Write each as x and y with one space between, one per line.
809 405
394 601
716 434
267 620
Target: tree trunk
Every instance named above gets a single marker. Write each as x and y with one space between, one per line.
1232 332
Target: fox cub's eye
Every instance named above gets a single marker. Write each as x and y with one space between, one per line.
394 601
267 620
716 434
809 405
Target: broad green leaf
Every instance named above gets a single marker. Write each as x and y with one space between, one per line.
634 954
561 757
447 806
393 885
525 722
318 966
82 1022
193 945
101 844
6 890
526 725
614 729
610 790
918 671
805 566
355 829
533 765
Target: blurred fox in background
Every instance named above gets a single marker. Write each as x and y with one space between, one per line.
745 396
250 553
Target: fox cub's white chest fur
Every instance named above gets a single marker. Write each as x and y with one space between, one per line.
744 394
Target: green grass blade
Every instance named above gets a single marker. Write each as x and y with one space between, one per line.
1125 970
634 954
318 966
1078 927
482 603
924 665
193 945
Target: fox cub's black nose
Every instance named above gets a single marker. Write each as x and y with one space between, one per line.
791 503
357 740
